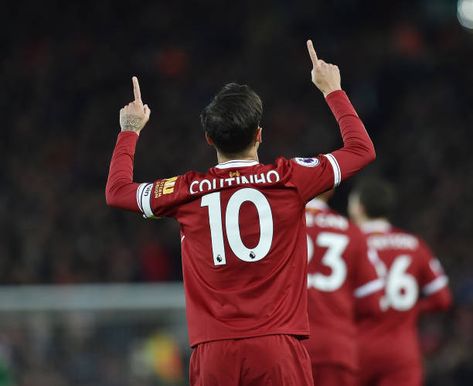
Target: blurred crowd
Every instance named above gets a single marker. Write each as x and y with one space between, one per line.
85 349
66 71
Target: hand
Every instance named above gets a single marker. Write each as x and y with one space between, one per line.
134 115
324 75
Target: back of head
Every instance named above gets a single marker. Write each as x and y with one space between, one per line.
232 118
376 196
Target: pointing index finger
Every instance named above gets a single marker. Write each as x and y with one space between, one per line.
313 55
136 89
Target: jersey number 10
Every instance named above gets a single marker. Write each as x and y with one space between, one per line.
232 227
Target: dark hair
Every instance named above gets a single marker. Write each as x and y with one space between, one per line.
233 116
377 197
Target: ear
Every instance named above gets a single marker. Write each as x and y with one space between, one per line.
259 135
356 210
208 139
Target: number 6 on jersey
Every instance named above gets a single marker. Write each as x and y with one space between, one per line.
232 225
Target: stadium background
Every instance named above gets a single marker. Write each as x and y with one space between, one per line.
65 73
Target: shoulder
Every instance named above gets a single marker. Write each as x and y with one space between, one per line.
280 168
411 239
306 162
302 169
175 184
395 239
328 219
357 237
178 179
355 231
340 221
422 245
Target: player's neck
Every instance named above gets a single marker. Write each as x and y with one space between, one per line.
249 155
379 224
371 220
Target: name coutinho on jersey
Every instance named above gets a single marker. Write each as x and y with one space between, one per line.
206 185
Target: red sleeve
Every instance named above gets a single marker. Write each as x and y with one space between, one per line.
120 191
163 197
313 176
156 199
368 287
358 150
436 295
439 301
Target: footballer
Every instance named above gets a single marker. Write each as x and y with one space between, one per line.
414 283
343 286
242 230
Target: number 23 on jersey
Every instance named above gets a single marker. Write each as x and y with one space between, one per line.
335 245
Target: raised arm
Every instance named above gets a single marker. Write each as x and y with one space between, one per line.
120 190
358 149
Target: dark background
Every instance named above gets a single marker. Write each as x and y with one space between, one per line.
66 71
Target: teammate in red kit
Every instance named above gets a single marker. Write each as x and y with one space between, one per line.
343 285
415 282
243 236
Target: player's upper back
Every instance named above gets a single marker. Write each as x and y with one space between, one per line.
410 269
243 243
339 269
239 213
247 203
331 243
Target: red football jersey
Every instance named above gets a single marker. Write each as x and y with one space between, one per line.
243 230
342 284
390 340
243 243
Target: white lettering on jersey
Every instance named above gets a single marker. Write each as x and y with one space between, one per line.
393 241
260 178
207 185
326 220
244 180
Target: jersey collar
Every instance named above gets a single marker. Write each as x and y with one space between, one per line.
317 204
236 163
371 226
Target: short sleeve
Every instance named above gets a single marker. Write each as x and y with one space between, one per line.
313 176
432 277
163 197
365 279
